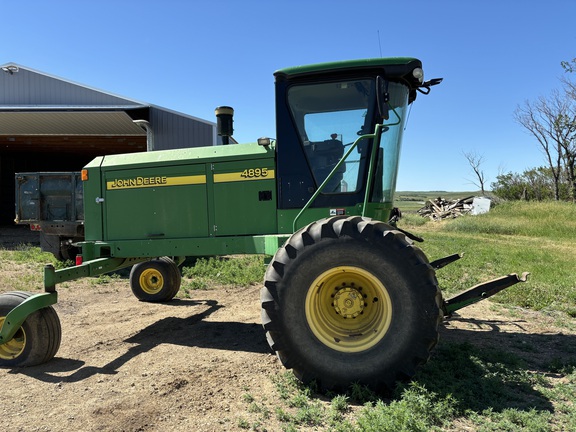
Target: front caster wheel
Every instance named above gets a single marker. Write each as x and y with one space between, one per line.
36 341
156 281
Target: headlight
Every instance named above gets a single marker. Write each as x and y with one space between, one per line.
418 73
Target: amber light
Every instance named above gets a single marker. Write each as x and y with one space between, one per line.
84 175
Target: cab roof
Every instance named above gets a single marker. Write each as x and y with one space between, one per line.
404 64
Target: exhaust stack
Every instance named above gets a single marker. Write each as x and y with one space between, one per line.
225 129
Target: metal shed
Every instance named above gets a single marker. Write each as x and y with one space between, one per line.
52 124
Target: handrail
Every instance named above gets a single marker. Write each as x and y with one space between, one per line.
376 135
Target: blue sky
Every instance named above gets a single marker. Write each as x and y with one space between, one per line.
193 56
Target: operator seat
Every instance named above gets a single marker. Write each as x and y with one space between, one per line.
323 157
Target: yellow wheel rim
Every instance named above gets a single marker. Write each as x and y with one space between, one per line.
348 309
14 347
151 281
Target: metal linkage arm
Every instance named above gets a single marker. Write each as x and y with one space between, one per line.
481 291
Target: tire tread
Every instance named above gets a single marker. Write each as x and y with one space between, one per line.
375 233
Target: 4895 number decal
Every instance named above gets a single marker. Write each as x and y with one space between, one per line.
254 172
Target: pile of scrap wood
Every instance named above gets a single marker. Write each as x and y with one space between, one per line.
440 208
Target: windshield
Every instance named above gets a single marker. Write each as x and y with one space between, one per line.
390 145
329 117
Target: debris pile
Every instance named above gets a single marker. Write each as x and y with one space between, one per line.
440 208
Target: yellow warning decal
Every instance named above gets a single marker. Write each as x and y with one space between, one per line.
247 174
157 181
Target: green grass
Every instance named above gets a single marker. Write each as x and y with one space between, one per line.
539 238
540 220
15 265
29 255
217 271
464 387
302 408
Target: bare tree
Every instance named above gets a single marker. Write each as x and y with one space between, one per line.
540 119
552 121
568 122
475 161
570 86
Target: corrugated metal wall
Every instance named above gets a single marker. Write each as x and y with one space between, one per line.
175 131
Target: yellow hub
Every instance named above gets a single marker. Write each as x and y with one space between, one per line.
151 281
348 302
14 347
348 309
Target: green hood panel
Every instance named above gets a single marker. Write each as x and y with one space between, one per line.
180 156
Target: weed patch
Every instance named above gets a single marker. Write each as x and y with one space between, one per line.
233 271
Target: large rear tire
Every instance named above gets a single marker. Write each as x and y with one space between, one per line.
36 341
351 300
156 280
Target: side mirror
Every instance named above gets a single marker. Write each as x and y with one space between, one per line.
425 87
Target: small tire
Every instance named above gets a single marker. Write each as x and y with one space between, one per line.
155 281
36 341
351 300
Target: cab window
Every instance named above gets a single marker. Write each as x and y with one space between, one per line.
329 117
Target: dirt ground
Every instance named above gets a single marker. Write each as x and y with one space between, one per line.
125 365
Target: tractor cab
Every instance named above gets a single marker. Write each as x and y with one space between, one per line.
354 110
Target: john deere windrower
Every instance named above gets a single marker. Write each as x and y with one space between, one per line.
347 297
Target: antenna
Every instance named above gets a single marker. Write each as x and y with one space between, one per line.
379 43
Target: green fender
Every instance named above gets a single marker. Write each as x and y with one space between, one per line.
16 317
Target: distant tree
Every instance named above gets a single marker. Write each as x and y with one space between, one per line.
539 184
475 161
533 184
509 186
544 120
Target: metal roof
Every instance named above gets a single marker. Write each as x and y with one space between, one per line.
115 123
26 85
35 104
43 90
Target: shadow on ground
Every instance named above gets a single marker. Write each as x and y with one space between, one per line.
483 367
191 331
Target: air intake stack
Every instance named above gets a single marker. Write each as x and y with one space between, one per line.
224 116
